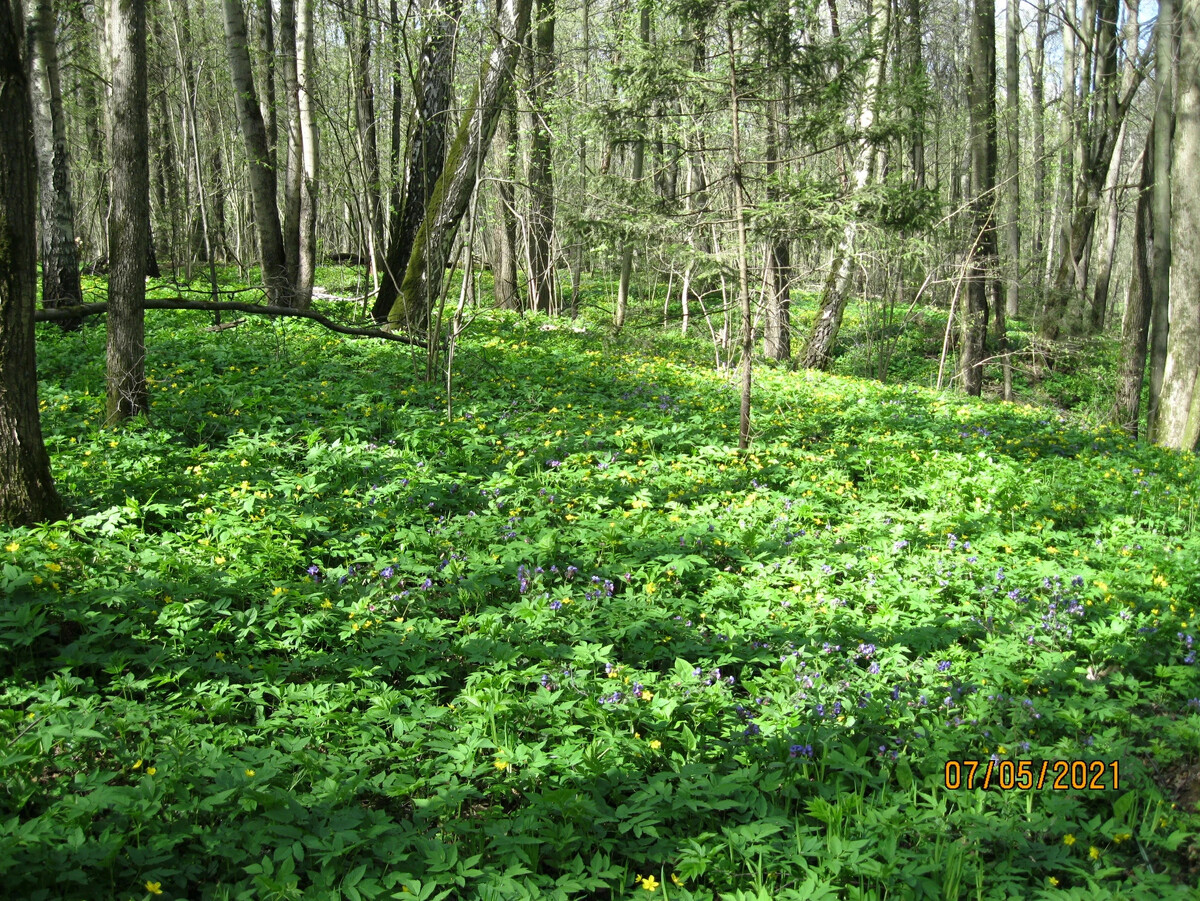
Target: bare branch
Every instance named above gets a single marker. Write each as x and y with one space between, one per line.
176 303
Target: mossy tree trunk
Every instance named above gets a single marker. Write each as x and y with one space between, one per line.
427 148
433 242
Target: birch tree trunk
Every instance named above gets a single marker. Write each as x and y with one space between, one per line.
60 256
310 157
129 213
818 351
639 161
262 176
27 493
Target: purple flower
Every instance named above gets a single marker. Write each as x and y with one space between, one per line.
801 751
943 666
387 573
556 604
315 572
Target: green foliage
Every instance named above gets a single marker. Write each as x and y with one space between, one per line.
308 636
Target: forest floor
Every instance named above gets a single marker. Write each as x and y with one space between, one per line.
310 634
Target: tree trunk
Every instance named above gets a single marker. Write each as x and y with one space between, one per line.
427 150
129 214
1177 421
432 244
981 94
504 266
262 176
1160 204
1139 302
364 119
778 331
639 160
27 493
310 157
1012 159
818 350
60 256
1113 206
1038 91
739 213
542 289
293 169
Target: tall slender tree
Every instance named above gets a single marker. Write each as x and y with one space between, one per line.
263 188
60 255
27 492
129 215
542 284
981 94
427 147
1179 404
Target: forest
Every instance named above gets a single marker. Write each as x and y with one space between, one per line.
594 449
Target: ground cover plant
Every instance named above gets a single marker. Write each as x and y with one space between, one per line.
313 634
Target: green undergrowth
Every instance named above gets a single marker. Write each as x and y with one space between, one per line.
310 634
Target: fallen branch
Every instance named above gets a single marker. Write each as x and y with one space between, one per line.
175 303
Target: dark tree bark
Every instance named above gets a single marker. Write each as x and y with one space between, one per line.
27 493
981 94
60 256
542 286
129 214
432 244
262 176
427 149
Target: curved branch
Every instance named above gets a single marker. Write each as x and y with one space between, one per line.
175 303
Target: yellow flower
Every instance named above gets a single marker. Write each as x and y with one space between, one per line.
646 696
675 879
249 774
54 567
651 588
220 655
12 547
1052 881
1122 837
650 884
1094 852
151 770
500 764
138 765
154 888
219 561
656 744
325 604
1069 839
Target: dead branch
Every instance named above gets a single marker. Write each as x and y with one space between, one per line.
176 303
